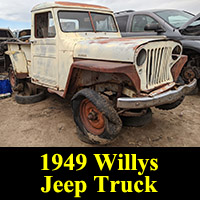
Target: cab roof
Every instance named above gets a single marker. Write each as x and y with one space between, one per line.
62 4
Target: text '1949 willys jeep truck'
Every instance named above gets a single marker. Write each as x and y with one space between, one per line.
76 50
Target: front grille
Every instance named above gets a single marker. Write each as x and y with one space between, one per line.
157 66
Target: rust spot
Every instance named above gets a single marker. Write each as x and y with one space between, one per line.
106 41
162 89
80 5
91 117
176 69
21 75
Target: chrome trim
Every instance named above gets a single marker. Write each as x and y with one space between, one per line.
160 99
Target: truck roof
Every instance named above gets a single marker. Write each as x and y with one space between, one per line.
62 4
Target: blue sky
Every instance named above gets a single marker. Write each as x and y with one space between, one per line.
16 14
14 25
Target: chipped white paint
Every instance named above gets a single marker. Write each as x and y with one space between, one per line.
51 58
20 56
156 69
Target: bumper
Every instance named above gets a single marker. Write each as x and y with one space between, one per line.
160 99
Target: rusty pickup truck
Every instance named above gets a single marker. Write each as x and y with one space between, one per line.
76 50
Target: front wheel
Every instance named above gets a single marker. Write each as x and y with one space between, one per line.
96 120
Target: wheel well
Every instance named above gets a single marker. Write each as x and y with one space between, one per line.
193 57
8 62
98 80
192 67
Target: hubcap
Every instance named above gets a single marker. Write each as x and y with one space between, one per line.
189 74
91 117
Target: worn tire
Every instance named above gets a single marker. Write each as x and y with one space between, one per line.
19 98
137 121
194 92
171 105
106 125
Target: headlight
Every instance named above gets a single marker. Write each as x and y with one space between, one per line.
141 57
176 52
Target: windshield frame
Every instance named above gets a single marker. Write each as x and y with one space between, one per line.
180 11
91 21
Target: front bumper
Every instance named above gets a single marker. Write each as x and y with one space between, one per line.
160 99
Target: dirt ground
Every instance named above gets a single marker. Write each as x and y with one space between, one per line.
50 123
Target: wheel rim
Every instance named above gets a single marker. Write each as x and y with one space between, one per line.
91 117
189 74
12 78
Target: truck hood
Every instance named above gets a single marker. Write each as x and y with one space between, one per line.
115 49
192 27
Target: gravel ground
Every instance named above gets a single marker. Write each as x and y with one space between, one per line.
50 123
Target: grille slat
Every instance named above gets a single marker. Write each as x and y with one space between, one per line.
157 71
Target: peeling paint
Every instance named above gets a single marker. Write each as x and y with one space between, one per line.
50 61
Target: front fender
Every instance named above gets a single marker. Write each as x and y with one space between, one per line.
104 67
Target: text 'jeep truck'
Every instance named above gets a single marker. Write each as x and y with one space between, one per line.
76 50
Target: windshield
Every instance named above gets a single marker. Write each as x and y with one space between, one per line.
193 28
75 21
176 18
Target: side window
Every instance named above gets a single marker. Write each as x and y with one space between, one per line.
44 25
122 22
140 21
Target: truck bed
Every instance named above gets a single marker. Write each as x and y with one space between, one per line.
20 54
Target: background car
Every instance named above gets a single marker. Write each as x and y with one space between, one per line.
5 35
23 35
174 24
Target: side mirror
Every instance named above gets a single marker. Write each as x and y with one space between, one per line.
154 27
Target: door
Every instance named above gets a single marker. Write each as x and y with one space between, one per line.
44 67
137 26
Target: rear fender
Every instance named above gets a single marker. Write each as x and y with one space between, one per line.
19 63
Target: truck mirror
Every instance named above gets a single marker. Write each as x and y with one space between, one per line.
154 27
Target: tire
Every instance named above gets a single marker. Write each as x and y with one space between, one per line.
171 105
96 120
194 92
20 99
137 121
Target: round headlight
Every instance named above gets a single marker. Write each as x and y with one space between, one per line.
176 52
141 57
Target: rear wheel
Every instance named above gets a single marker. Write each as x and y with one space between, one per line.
12 78
96 120
16 84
